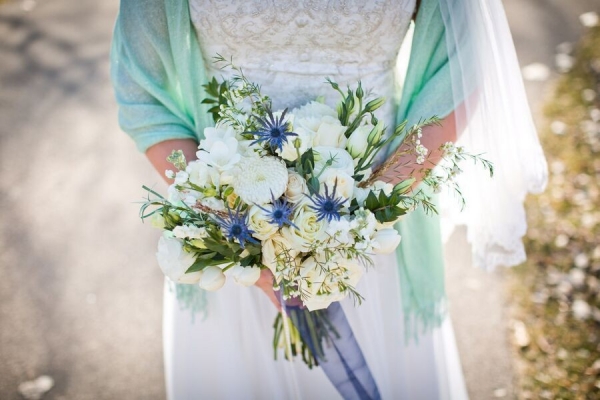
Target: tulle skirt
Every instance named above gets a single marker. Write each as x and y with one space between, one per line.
229 354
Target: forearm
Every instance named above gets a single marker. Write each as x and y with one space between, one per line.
433 137
158 153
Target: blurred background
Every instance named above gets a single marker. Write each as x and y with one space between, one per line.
80 292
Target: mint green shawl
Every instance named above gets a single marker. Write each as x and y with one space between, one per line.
157 71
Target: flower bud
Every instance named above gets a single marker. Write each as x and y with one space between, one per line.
374 104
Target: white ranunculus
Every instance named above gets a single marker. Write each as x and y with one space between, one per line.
222 154
258 179
274 248
172 258
211 278
215 134
259 223
304 140
330 133
357 143
308 230
386 241
189 232
296 188
342 160
343 183
245 276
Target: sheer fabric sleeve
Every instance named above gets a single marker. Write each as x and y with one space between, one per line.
157 72
463 60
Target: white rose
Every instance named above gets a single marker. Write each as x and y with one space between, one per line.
211 278
357 143
309 229
296 188
172 258
342 160
314 109
259 223
274 248
386 241
289 152
245 276
330 133
343 183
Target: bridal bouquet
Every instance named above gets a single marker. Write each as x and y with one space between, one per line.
296 192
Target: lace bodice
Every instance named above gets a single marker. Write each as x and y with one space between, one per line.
290 46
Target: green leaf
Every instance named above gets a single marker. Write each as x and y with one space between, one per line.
371 203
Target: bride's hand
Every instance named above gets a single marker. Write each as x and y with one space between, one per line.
265 283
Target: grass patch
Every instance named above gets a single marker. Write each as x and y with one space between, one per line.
556 293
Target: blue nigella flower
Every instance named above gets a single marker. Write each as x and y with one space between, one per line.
280 212
273 130
236 227
327 206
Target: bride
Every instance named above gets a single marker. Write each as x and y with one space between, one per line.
462 67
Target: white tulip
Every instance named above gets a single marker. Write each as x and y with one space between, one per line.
245 276
386 241
211 278
191 279
172 259
357 143
308 230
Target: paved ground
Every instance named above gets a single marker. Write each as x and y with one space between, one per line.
80 295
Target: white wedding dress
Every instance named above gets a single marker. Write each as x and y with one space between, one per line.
289 47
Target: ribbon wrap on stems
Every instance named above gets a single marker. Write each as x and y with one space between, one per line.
335 348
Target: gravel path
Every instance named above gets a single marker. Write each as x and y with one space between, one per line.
80 295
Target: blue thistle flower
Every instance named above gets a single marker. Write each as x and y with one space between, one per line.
273 131
327 206
236 227
280 212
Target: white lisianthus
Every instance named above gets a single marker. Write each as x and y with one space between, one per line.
222 154
304 141
172 258
215 134
357 143
245 276
211 278
181 177
296 188
274 248
259 223
257 180
381 185
308 230
386 241
189 232
343 183
360 194
341 159
200 174
330 133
